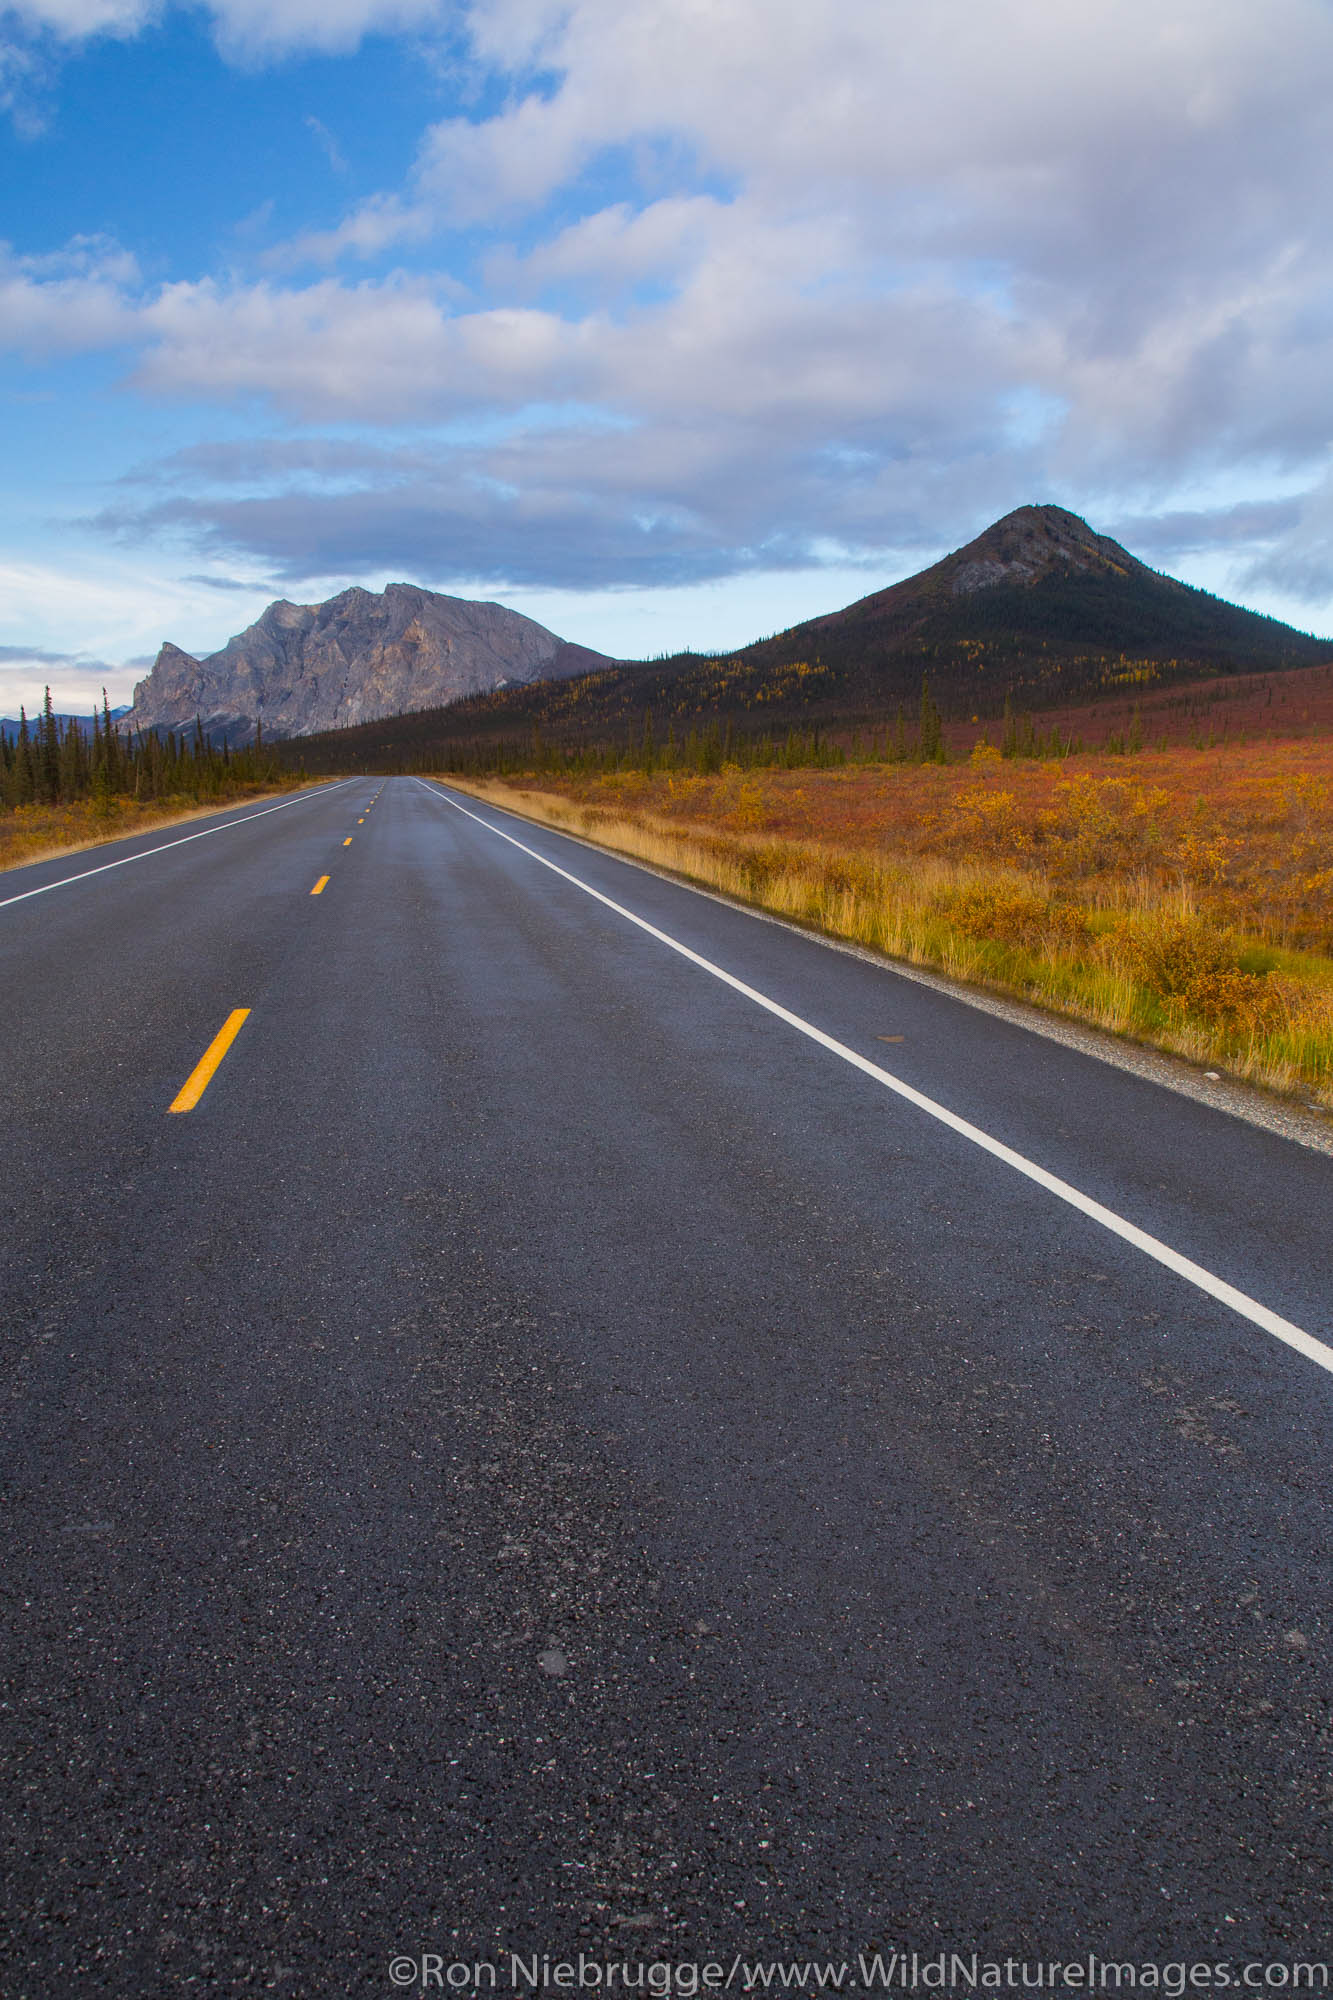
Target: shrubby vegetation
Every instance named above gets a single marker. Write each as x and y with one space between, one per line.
1192 909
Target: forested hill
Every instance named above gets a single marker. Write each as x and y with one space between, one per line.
1045 609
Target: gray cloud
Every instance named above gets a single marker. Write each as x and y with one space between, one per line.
1206 530
39 656
435 538
1283 545
1299 562
564 508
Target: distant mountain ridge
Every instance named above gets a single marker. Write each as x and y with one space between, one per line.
354 658
1039 610
11 724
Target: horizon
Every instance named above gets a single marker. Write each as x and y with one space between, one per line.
143 669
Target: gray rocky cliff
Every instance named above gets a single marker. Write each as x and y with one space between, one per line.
1028 545
362 655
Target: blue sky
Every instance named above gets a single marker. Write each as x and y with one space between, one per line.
666 322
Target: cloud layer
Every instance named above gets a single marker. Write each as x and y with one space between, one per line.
717 287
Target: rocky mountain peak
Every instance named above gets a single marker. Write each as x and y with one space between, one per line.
358 656
1028 544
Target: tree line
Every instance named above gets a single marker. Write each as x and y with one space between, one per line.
704 749
55 761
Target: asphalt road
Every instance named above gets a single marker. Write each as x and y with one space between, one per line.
546 1456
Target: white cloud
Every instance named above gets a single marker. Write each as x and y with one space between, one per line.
376 225
830 273
327 144
68 302
387 352
75 681
619 247
120 608
246 29
76 20
890 104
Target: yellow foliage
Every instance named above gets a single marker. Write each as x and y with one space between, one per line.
1125 953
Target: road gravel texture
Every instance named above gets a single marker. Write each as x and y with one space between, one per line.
546 1458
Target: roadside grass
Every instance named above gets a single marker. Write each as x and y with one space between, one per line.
39 832
1195 917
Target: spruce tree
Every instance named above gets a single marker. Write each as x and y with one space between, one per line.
110 746
25 779
73 762
930 742
50 754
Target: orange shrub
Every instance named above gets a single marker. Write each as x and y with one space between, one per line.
1182 896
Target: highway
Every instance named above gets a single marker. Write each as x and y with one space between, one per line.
602 1424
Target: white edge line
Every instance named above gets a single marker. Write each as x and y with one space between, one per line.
125 859
1217 1288
1282 1118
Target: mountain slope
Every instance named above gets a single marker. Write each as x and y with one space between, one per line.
1050 607
359 656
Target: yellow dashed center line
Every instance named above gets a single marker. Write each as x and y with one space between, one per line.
320 886
348 841
202 1074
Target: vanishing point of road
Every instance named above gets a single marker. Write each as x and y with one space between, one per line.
546 1413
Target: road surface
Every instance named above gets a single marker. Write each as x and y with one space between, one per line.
549 1455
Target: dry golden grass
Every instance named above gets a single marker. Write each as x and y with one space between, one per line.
36 833
1184 899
